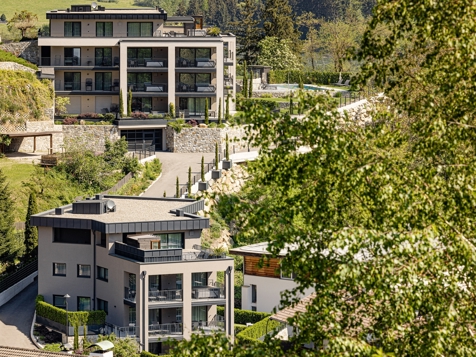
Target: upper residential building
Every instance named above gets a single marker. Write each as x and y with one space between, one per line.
139 259
263 285
96 53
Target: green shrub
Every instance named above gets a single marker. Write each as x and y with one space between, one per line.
312 77
244 316
239 328
10 57
246 103
148 354
178 124
259 329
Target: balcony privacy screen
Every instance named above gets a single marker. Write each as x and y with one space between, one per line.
139 29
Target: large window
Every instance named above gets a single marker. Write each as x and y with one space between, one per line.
199 313
199 279
138 56
103 56
103 80
68 235
84 303
84 271
178 314
191 54
254 293
138 81
103 29
168 241
195 106
103 273
139 29
72 29
141 104
103 305
72 56
59 301
59 269
132 315
72 80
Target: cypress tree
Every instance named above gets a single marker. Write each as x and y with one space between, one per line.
31 232
189 187
279 22
244 91
165 194
182 9
227 109
219 111
202 170
207 120
250 90
177 188
216 156
129 103
291 105
227 153
121 104
8 248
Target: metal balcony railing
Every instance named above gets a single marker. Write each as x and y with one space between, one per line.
147 62
122 332
195 88
87 86
165 295
216 324
165 329
148 87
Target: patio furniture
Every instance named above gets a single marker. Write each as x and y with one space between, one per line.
116 61
89 84
346 83
339 82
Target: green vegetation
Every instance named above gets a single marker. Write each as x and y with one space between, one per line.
31 232
9 57
123 347
242 317
309 77
52 347
9 249
258 330
148 173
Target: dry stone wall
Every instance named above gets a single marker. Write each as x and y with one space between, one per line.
28 50
42 142
90 137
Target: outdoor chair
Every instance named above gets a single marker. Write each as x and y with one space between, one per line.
346 83
339 83
89 84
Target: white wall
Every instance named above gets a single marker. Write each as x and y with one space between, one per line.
268 292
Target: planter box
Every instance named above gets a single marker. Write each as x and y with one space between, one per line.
216 174
202 186
227 164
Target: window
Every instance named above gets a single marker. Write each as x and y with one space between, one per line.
132 315
84 271
154 282
199 313
254 293
72 81
142 104
139 29
103 240
178 314
103 29
103 56
253 308
103 80
192 54
72 56
72 29
178 281
195 106
137 56
59 301
84 303
199 279
170 241
59 269
137 81
74 236
195 78
102 273
287 275
103 305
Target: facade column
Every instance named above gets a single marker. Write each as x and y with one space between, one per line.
220 76
230 303
171 77
187 304
123 74
142 309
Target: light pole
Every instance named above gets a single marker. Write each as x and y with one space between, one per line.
66 297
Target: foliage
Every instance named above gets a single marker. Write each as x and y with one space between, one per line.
22 95
121 103
244 316
213 31
189 183
23 21
310 46
3 17
70 121
10 57
31 232
148 354
250 89
217 157
178 124
60 105
207 121
202 169
219 111
227 108
244 89
129 103
227 148
278 54
149 172
8 247
245 103
239 328
312 77
172 110
177 188
279 22
123 347
257 330
52 347
140 115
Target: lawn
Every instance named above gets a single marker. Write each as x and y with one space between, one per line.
39 7
16 173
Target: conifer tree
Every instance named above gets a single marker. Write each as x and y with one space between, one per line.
216 156
121 104
227 109
194 8
31 232
177 188
182 9
202 170
8 249
250 89
129 103
207 119
279 22
189 187
219 111
248 31
245 80
227 149
165 193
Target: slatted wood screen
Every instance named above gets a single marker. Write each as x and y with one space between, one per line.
270 268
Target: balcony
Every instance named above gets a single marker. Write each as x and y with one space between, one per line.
121 332
159 296
216 324
165 330
208 293
147 62
129 295
165 255
148 87
196 63
195 88
59 61
87 86
228 57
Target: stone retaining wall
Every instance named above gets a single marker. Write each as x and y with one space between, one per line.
28 50
42 142
92 137
203 139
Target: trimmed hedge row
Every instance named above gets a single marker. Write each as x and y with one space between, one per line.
312 77
58 315
259 329
148 354
242 317
239 328
242 104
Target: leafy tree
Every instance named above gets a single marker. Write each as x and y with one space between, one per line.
310 45
278 54
23 21
60 105
8 246
279 22
123 347
31 232
194 8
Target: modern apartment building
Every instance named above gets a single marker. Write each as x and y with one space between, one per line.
263 285
140 260
98 53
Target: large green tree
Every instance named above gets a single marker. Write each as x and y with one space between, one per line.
23 21
279 21
31 232
278 54
8 241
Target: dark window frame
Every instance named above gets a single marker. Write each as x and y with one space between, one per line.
140 28
61 297
83 276
64 236
73 25
104 307
83 297
54 270
254 293
103 25
102 273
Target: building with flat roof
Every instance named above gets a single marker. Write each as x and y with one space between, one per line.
140 260
98 53
263 285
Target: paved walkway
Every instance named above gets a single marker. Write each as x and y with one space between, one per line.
16 317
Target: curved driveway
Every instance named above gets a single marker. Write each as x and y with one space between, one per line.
16 317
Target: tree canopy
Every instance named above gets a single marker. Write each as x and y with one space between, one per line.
23 21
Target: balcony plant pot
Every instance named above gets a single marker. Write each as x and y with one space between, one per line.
203 186
227 164
216 174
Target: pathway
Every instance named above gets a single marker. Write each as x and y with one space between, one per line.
16 317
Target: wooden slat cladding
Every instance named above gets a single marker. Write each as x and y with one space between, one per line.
270 268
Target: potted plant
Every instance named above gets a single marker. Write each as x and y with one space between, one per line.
202 184
227 164
216 174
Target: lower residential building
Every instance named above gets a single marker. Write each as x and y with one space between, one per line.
138 259
263 285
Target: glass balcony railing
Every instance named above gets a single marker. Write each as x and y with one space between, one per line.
59 61
148 87
86 86
208 293
127 331
165 329
195 88
165 295
147 62
196 62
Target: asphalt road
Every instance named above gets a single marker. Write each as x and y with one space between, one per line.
16 317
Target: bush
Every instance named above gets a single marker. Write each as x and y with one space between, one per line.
244 316
10 57
70 121
192 122
259 329
178 124
239 328
312 77
148 354
139 115
90 116
243 104
109 116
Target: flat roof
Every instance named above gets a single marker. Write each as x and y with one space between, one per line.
258 249
23 352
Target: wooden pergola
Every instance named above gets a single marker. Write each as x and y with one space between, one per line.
35 135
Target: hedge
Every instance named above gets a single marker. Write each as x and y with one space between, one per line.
259 329
242 317
148 354
56 314
312 77
242 104
239 328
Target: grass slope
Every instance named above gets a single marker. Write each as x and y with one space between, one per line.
39 7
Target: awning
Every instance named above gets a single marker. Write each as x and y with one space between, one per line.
103 345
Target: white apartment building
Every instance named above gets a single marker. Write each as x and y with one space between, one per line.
138 259
99 53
